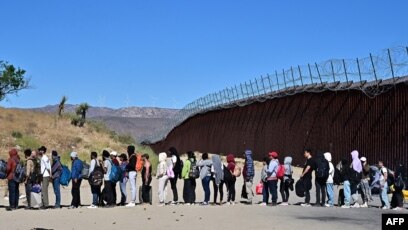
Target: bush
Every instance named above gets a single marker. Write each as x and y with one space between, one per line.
16 134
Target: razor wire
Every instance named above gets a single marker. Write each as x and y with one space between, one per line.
372 75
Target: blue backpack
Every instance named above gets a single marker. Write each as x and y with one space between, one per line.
115 174
3 167
65 177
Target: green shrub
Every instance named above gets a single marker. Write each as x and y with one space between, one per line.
26 142
16 134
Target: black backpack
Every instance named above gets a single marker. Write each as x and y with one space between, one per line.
322 168
227 174
194 172
178 167
97 176
355 177
300 188
337 178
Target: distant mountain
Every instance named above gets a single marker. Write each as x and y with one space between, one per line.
139 122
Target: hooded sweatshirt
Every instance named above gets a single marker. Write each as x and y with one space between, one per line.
328 157
12 162
162 166
218 170
249 169
288 168
205 168
231 162
356 162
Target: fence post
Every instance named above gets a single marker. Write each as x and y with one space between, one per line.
300 74
392 68
236 90
242 90
372 63
359 70
263 85
277 80
257 86
345 70
247 90
310 72
318 72
284 77
293 78
332 67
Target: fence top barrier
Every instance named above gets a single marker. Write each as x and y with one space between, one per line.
373 75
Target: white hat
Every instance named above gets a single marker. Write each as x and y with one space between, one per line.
363 159
74 155
113 153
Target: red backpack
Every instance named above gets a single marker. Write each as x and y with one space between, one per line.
281 172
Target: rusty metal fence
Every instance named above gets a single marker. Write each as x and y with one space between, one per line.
371 75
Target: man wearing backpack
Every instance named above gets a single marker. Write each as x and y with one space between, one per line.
76 180
131 169
321 175
115 162
189 182
29 172
248 174
56 171
95 188
107 191
13 186
178 166
46 174
272 176
306 176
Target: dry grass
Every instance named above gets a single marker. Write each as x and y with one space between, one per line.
28 129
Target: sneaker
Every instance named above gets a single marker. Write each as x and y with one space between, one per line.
204 204
284 204
345 206
232 203
385 208
356 205
173 203
306 205
131 205
161 204
22 197
328 205
92 207
188 204
397 209
262 204
72 207
365 205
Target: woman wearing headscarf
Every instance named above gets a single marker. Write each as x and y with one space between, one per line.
355 177
163 178
177 168
205 176
217 172
13 186
397 201
231 183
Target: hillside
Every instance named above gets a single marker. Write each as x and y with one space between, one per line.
29 129
138 122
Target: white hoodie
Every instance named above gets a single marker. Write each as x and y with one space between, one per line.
328 157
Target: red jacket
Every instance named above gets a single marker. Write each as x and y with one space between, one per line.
12 163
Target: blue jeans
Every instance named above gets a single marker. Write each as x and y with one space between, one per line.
13 193
273 189
347 193
384 196
57 191
96 194
123 192
265 192
330 194
206 186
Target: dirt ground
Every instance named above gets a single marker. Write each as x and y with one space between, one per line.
181 217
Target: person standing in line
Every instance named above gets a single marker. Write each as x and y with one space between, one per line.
205 176
76 180
95 189
231 165
13 186
306 176
177 168
345 175
248 174
146 179
287 181
46 174
114 160
108 186
384 186
264 180
189 195
330 182
355 177
131 169
123 164
217 177
397 201
29 176
56 172
365 183
162 177
272 176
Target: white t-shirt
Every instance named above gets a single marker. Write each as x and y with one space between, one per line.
108 166
383 171
45 164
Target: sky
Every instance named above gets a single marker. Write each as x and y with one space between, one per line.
168 53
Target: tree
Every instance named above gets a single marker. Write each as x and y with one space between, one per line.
80 119
61 105
12 80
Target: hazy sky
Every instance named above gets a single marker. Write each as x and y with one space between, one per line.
168 53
